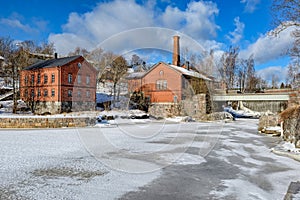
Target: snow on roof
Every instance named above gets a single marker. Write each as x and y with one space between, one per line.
192 73
189 72
135 75
1 58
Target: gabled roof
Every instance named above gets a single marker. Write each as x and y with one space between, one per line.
189 72
181 70
136 75
52 63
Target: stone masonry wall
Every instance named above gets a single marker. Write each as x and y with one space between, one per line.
44 122
195 107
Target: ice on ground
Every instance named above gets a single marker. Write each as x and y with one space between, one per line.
263 174
182 158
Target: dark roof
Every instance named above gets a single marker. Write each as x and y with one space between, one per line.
52 63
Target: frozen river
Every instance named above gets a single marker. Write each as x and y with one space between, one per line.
144 161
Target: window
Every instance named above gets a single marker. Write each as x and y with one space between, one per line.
26 93
26 80
88 94
175 99
32 79
69 93
39 92
39 79
161 84
45 79
79 93
52 93
45 93
52 78
69 78
78 78
87 79
32 93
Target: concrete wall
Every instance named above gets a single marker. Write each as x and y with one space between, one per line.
259 106
44 122
263 106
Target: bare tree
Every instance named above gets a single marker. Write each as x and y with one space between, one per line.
286 13
228 67
114 72
294 74
275 81
79 51
18 56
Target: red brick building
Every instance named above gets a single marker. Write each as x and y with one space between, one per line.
59 85
171 83
165 83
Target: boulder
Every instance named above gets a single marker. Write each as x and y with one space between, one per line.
220 116
291 125
268 119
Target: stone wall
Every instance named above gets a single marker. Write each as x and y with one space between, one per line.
54 107
163 110
45 122
195 107
45 107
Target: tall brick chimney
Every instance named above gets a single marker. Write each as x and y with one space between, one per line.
176 51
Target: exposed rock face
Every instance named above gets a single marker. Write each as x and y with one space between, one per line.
268 120
291 125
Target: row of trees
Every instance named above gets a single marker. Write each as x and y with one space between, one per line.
17 56
239 73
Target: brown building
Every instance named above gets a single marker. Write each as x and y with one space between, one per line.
171 84
59 85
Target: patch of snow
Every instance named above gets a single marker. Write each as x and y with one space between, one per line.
273 128
290 147
175 119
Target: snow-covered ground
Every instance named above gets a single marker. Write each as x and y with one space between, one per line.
108 162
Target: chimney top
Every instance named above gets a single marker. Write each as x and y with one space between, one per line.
176 51
55 55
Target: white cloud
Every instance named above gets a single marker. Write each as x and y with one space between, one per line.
15 23
109 18
250 5
277 71
236 35
267 48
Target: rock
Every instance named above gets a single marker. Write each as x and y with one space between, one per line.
274 130
268 120
294 189
291 125
220 116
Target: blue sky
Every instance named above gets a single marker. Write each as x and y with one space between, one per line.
87 23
